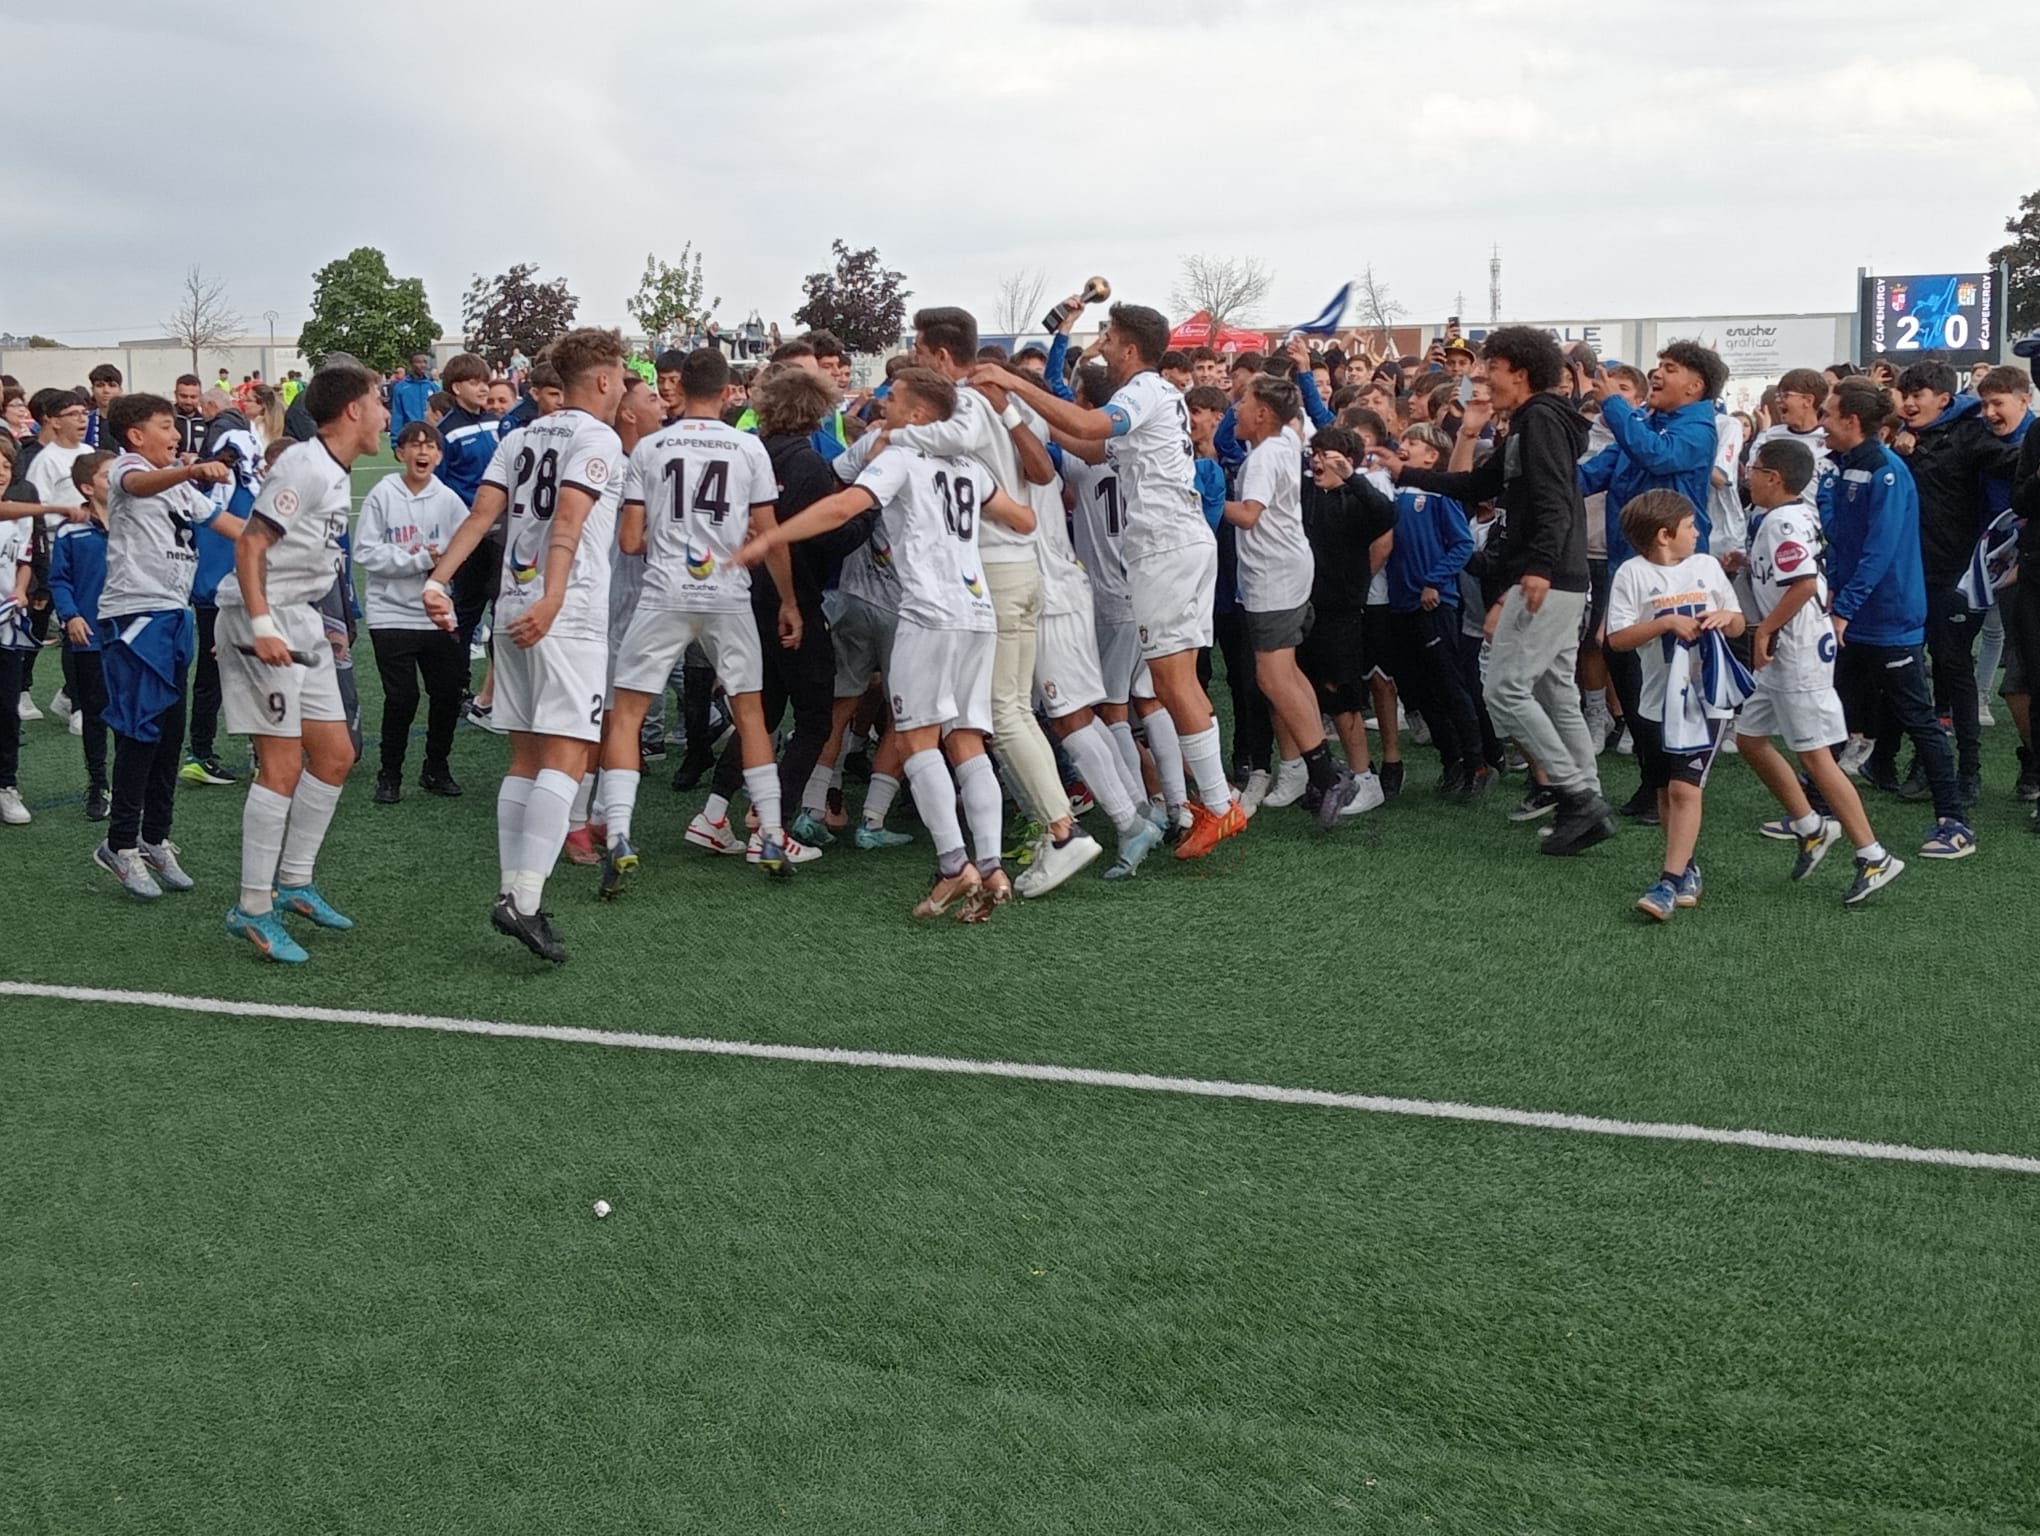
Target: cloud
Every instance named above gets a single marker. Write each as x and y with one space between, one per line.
1629 159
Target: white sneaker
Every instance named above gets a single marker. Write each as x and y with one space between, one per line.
1984 716
1291 780
1625 744
77 722
128 867
797 852
60 705
162 861
1420 731
1053 865
26 709
12 811
1367 794
1255 792
1855 754
1594 710
715 836
1728 746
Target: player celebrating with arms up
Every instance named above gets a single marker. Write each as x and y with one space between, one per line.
1171 553
562 477
278 681
941 675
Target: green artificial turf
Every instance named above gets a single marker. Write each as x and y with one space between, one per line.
264 1275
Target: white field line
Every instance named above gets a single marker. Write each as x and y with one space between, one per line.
1084 1077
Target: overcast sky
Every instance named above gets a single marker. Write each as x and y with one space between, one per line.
1637 158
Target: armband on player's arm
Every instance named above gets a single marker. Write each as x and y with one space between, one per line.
1122 421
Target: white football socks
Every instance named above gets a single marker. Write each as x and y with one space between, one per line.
762 785
619 800
1129 757
584 799
935 799
984 807
716 810
879 797
545 833
511 799
1168 753
263 819
815 798
1206 762
312 806
1097 759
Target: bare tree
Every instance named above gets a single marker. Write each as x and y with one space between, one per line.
204 319
1229 286
1017 306
1374 308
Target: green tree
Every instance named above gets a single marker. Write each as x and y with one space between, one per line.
2022 257
862 303
513 312
669 298
358 307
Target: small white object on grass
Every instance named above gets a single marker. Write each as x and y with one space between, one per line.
601 1207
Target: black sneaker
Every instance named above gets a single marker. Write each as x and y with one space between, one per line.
1915 788
1391 779
1641 808
652 748
439 782
694 767
1971 789
857 765
534 931
2028 786
388 791
1535 806
1475 785
1451 781
98 804
1581 824
1880 774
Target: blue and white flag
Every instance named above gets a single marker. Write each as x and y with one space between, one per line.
1991 565
1331 317
1705 683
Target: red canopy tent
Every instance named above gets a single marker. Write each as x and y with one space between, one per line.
1196 332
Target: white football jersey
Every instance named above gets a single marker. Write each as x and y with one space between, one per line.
1275 560
1097 522
1157 468
698 479
868 571
933 506
307 495
1816 444
532 466
973 431
151 542
1784 549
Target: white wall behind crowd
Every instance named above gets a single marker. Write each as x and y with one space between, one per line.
146 367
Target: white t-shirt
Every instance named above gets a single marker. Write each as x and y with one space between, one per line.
390 544
50 473
1097 522
1641 591
16 536
1152 455
1275 560
974 431
1784 550
532 466
698 479
934 507
151 542
307 496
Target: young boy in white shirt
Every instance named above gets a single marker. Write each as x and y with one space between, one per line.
1793 650
1662 606
405 524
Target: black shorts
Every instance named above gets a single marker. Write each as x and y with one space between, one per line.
1282 629
1380 641
1334 657
1598 583
1661 767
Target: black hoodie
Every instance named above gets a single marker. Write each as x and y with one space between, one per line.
1536 478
